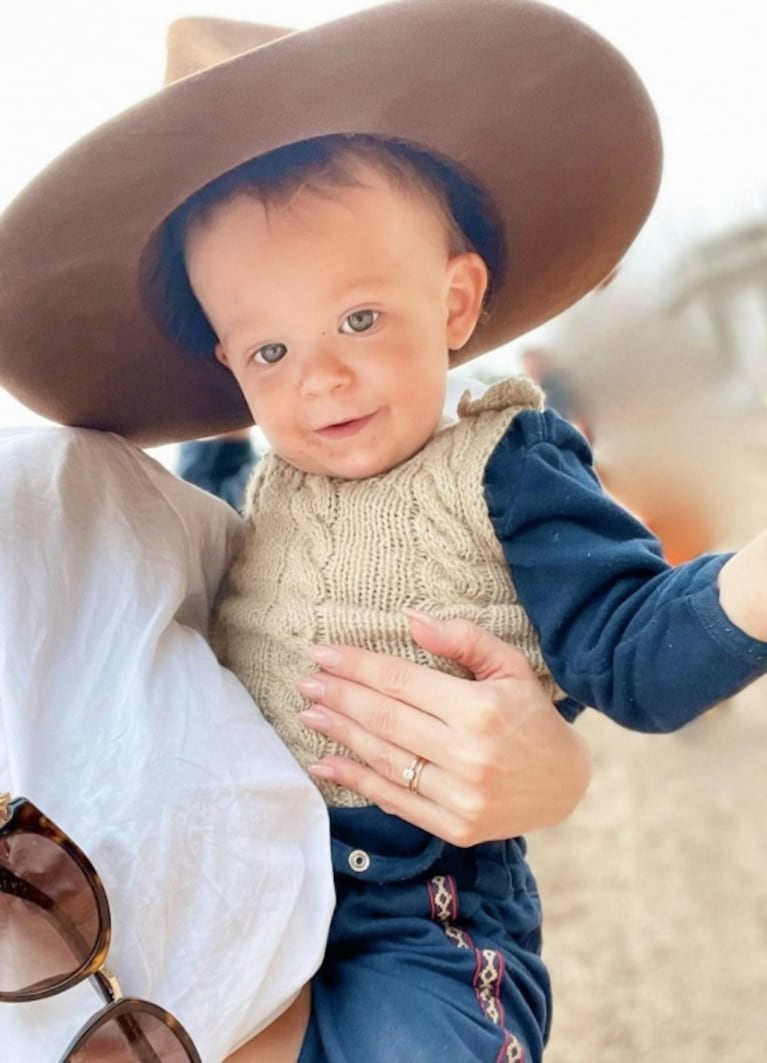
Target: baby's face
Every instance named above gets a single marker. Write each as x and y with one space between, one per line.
335 313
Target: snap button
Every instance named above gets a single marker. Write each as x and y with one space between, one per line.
359 860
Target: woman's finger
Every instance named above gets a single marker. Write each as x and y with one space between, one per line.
481 653
379 717
397 800
386 759
394 677
436 693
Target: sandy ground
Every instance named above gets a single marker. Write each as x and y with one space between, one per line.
655 896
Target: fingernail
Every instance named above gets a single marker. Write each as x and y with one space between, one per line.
325 655
425 618
310 686
321 771
315 718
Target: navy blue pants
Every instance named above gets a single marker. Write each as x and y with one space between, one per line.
433 951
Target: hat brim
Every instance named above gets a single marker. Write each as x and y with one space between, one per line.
547 115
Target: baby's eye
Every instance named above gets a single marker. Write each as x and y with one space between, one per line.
270 353
360 321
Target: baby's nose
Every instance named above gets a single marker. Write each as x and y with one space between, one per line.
324 370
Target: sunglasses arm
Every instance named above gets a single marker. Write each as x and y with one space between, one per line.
27 891
24 890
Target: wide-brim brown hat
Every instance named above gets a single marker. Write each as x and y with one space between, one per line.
546 115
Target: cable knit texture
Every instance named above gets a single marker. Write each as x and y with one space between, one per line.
334 561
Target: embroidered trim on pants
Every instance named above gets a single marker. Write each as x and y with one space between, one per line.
488 972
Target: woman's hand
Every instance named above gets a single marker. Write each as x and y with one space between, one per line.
500 760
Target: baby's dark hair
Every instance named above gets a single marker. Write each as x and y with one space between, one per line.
318 165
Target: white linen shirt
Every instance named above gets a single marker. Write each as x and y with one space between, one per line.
118 722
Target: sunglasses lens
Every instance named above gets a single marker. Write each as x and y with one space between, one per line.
49 918
131 1037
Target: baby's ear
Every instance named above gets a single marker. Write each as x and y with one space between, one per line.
221 356
467 284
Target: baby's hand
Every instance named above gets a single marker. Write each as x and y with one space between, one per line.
743 588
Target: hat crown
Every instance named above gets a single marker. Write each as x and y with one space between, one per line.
195 43
544 113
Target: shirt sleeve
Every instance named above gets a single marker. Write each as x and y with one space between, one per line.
646 643
220 466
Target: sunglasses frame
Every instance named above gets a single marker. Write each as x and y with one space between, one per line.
123 1011
21 815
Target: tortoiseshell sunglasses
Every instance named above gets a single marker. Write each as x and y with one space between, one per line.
54 932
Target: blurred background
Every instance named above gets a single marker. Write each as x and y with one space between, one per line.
655 891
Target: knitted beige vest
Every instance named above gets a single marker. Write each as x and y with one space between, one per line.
326 560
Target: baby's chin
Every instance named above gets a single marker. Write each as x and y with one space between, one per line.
354 467
354 464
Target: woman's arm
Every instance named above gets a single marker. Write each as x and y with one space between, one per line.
281 1041
501 761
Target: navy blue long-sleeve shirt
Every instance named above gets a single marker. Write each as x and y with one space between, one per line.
621 630
220 466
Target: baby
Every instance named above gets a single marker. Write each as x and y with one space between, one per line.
336 280
426 180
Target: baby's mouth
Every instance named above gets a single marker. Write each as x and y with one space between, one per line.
341 429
